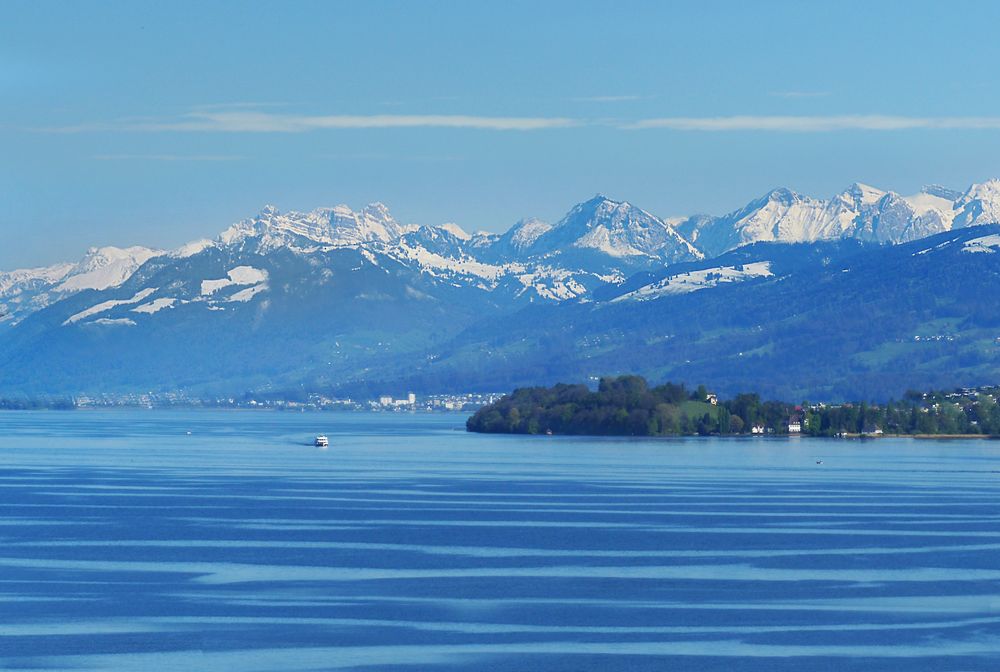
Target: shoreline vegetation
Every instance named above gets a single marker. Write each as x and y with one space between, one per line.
628 406
36 404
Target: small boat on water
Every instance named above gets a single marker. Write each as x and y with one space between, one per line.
321 441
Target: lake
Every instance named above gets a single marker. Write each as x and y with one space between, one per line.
223 540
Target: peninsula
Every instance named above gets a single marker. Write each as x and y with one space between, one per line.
628 406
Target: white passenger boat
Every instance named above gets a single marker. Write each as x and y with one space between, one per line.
321 441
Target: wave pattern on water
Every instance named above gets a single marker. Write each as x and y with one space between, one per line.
129 544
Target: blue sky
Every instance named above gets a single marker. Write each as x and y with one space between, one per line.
157 123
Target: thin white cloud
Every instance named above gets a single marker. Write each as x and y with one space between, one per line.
235 121
248 121
817 124
167 157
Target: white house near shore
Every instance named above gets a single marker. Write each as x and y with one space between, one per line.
871 430
386 400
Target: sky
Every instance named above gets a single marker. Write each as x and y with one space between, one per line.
126 123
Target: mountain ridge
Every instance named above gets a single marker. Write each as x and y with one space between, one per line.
330 296
340 225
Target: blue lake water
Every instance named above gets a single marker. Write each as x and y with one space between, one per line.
130 544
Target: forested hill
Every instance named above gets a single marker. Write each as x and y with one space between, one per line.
628 406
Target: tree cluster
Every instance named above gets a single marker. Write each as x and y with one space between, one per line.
623 406
35 404
628 406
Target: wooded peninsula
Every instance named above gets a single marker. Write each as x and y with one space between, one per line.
628 406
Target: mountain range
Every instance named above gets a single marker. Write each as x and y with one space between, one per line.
354 302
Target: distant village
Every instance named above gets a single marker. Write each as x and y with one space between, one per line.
411 402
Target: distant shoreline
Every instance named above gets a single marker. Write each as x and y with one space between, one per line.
993 437
763 437
237 409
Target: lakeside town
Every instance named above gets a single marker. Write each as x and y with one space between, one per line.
410 402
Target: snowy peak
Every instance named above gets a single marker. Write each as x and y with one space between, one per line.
515 244
455 230
378 211
783 215
25 291
860 211
192 248
980 204
14 282
526 232
303 231
106 267
602 211
599 240
373 223
616 229
860 195
925 202
781 196
446 239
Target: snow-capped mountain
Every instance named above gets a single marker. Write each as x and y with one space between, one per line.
447 253
897 219
238 268
25 291
980 204
335 294
517 242
616 229
779 215
598 241
336 226
860 211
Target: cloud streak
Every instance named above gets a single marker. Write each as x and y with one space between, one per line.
235 121
256 121
816 124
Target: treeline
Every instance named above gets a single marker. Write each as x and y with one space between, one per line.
621 406
627 406
36 404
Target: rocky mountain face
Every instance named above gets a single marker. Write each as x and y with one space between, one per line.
290 298
25 291
598 241
617 230
860 211
323 295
